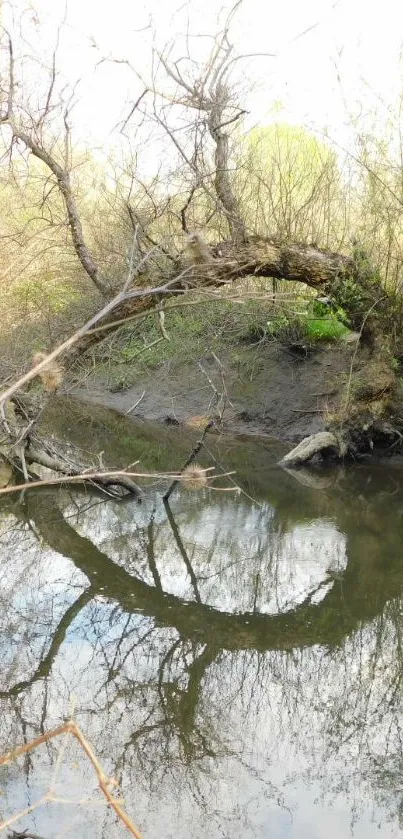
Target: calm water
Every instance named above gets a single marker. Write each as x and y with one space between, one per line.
236 662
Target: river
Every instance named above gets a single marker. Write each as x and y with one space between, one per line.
234 659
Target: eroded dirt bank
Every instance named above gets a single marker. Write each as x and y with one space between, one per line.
282 393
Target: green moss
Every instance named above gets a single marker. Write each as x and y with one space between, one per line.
306 328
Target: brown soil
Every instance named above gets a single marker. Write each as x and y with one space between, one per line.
284 394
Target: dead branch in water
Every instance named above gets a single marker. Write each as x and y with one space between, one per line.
124 478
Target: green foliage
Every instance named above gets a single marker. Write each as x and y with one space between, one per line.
306 328
350 295
359 295
321 310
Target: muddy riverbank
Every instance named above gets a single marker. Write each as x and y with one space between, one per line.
282 392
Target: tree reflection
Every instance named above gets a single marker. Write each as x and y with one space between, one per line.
177 688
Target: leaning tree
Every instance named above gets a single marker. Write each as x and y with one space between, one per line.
205 96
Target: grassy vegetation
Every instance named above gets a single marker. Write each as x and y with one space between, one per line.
325 329
306 329
194 332
219 326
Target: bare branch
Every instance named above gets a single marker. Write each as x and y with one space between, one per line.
64 183
215 105
185 207
106 784
10 97
174 75
53 71
61 174
133 109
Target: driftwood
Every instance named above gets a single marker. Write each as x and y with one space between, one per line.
317 444
56 464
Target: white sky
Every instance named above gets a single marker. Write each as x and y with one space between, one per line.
345 65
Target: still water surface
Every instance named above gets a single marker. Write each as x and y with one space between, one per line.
236 662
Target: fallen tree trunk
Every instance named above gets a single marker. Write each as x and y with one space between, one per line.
35 455
316 268
296 262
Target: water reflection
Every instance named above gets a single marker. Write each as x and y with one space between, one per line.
237 665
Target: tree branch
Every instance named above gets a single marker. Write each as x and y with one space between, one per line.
63 180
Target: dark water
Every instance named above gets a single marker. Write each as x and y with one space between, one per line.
237 664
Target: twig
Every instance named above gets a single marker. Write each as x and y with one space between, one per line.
24 464
183 210
104 782
145 347
71 479
130 267
132 109
136 403
182 550
161 324
217 394
100 476
23 813
4 419
235 487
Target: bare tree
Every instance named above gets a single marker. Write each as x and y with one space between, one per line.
349 281
211 97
